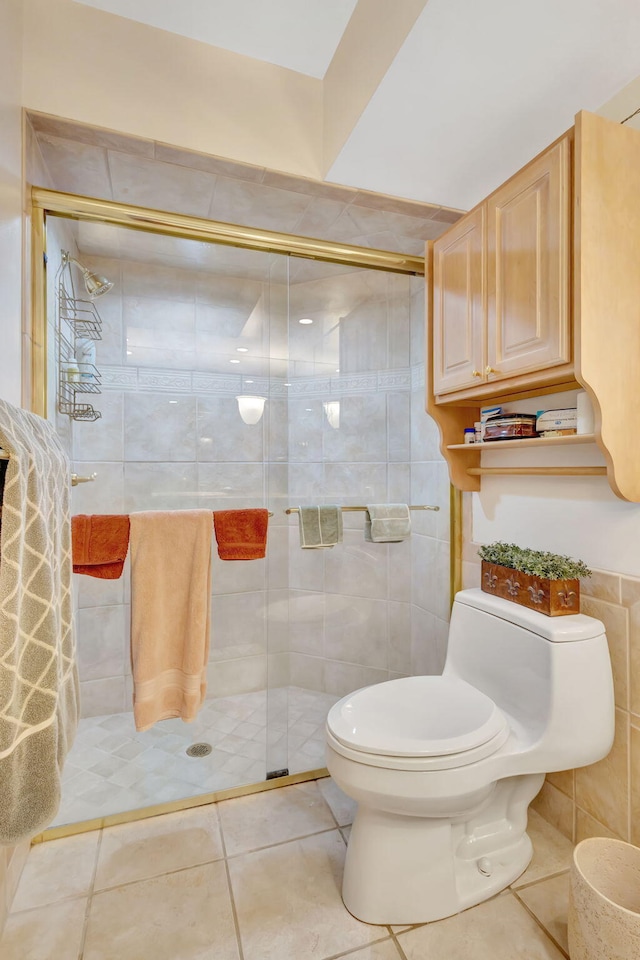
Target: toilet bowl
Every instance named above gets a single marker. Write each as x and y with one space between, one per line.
443 768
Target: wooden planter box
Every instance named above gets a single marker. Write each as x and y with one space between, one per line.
556 598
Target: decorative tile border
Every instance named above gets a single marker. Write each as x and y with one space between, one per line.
115 378
418 376
157 380
154 379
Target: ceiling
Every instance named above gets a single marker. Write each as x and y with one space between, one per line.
301 35
479 88
474 92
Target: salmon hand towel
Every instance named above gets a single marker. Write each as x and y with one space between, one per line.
170 613
100 544
38 676
241 534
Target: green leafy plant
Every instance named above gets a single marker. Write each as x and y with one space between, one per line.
538 563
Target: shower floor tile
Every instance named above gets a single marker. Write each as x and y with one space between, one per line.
111 768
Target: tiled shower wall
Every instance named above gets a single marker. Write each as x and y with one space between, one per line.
172 438
338 638
604 798
366 612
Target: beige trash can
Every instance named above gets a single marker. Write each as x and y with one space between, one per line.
604 901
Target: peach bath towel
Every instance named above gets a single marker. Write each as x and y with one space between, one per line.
241 534
170 613
100 544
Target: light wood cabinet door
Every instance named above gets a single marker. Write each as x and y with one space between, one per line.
458 305
528 223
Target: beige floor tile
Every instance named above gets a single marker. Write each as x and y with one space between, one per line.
49 932
180 916
149 848
498 930
551 851
342 806
57 870
386 950
274 816
289 905
549 902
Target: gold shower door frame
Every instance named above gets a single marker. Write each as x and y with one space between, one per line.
73 207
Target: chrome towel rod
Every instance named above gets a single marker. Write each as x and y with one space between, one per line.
420 506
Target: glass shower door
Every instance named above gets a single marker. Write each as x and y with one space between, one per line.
185 360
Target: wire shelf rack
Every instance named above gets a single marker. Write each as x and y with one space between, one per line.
76 318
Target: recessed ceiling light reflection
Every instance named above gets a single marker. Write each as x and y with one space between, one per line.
242 349
129 353
234 361
173 401
305 320
248 381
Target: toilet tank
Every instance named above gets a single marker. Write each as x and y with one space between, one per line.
551 676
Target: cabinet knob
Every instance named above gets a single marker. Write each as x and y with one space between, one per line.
489 370
476 373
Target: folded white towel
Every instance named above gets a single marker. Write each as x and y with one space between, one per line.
320 526
387 522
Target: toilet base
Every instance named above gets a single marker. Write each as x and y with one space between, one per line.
410 869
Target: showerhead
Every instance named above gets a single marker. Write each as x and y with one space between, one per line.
95 285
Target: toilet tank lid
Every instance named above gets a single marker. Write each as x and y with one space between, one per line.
576 626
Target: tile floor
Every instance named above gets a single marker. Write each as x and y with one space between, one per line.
257 878
111 768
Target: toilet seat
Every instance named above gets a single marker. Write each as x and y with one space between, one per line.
417 723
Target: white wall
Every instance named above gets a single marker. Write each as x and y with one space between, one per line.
150 83
11 858
10 199
578 516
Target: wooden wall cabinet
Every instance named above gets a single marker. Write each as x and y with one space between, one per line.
501 284
537 290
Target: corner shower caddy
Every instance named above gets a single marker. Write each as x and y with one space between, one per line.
75 318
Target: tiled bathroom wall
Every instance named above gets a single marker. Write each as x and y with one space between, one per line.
171 436
378 610
604 798
336 620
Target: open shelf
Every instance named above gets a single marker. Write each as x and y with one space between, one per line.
523 442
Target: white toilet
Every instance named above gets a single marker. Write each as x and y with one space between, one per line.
444 768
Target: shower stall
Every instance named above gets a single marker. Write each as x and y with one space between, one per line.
232 377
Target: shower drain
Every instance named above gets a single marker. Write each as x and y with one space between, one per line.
199 750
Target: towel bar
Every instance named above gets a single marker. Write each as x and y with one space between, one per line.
75 479
363 509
